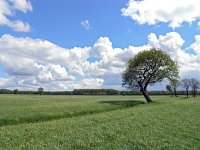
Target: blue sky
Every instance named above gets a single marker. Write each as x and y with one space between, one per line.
59 22
100 27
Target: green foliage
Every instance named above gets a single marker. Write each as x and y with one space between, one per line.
95 92
40 90
5 91
174 83
147 68
16 91
142 127
108 92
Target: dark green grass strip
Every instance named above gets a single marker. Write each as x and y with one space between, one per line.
49 117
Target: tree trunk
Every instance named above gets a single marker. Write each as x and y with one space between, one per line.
146 96
144 93
187 93
175 92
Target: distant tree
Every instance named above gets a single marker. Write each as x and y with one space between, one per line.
40 90
186 83
174 83
194 85
169 89
147 68
16 91
123 93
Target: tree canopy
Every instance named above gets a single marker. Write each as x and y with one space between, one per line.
174 83
147 68
186 83
40 90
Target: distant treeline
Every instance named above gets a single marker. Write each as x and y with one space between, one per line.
90 92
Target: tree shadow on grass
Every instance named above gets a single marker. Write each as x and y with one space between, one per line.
125 103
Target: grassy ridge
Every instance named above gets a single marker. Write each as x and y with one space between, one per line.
17 109
166 124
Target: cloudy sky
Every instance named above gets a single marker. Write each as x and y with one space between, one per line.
68 44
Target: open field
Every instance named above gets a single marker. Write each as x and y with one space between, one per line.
99 122
16 109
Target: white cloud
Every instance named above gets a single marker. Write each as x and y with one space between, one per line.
35 62
91 83
172 42
196 45
29 52
22 5
8 8
85 24
19 26
173 12
198 24
3 82
52 72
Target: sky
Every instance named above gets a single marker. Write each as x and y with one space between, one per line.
70 44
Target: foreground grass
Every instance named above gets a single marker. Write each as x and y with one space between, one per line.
165 124
16 109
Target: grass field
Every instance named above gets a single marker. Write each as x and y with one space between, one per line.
99 122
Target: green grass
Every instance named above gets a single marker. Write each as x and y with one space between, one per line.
107 122
16 109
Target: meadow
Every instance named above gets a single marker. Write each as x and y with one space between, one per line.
99 122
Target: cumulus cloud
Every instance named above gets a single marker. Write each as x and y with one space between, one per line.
8 8
3 82
31 63
172 43
196 45
22 5
85 24
173 12
52 72
91 83
35 62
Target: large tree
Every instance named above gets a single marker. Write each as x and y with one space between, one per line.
185 83
147 68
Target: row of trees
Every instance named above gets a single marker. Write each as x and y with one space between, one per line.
41 91
186 83
93 92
